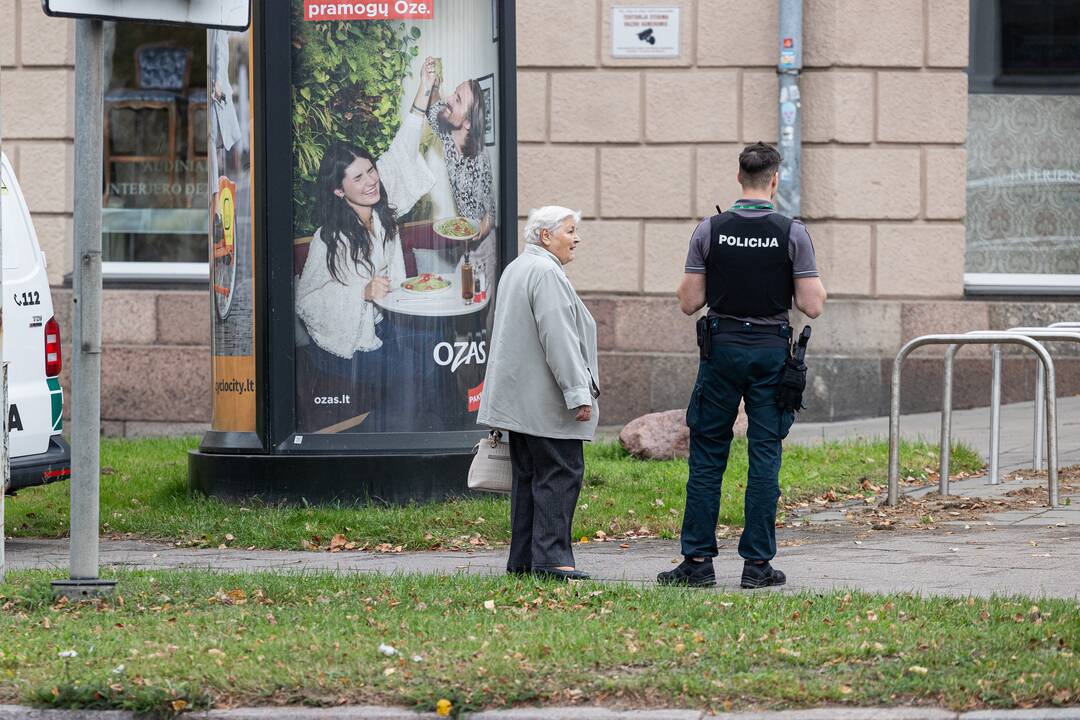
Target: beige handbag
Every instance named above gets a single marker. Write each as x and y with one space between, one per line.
490 469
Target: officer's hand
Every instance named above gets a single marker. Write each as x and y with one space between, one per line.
584 413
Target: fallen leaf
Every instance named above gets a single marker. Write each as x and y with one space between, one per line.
337 543
918 670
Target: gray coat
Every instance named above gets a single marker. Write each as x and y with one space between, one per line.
542 361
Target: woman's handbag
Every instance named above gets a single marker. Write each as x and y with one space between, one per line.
490 469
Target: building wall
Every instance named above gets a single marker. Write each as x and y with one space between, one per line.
644 149
37 97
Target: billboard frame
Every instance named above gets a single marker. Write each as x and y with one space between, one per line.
275 462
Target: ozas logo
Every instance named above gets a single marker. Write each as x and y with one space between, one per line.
460 353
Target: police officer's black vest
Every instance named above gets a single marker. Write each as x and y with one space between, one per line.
748 272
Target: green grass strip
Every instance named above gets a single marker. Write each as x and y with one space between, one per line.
188 639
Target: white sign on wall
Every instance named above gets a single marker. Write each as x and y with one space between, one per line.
223 14
644 32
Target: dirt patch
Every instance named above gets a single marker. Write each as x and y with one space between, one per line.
928 512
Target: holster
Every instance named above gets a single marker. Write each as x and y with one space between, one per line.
789 393
704 338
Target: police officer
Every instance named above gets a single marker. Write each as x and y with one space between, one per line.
746 264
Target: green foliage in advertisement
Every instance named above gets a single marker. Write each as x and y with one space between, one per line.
347 85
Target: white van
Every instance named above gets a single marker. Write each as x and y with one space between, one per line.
38 453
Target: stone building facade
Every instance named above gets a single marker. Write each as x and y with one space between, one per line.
645 149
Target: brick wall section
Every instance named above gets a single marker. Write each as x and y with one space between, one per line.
645 149
37 96
155 364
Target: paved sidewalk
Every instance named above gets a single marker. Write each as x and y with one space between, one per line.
1017 557
12 712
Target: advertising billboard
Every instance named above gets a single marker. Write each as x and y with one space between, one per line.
396 217
231 133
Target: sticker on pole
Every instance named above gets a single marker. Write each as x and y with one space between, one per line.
222 14
323 10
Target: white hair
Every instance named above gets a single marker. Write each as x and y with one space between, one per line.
549 218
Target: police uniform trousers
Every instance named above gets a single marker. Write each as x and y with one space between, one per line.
547 475
731 373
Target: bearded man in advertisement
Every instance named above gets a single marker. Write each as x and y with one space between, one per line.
459 122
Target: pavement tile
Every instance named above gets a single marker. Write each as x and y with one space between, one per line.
836 713
303 713
16 712
1070 713
584 713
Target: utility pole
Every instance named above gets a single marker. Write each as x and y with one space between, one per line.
86 319
789 68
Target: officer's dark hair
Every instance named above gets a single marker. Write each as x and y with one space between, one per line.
757 163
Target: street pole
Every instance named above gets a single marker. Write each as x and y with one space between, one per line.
86 319
789 192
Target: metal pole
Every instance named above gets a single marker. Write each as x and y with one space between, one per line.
789 192
995 414
86 317
1037 447
1051 437
946 420
894 434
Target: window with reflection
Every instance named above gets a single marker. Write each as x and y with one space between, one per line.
155 162
1023 150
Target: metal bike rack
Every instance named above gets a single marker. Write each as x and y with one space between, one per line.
1040 427
1037 333
988 338
1036 453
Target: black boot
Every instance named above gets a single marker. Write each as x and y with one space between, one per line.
759 576
690 574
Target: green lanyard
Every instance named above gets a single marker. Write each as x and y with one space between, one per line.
766 206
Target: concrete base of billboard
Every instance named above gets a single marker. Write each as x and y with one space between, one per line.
392 479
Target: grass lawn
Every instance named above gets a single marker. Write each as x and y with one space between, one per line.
144 494
182 640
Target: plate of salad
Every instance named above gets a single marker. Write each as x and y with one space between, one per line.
456 228
426 284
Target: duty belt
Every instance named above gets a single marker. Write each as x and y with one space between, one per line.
725 325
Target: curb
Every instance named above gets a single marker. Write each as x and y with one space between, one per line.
16 712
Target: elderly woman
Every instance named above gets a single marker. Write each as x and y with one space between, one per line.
541 386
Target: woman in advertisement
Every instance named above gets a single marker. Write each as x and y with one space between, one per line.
355 258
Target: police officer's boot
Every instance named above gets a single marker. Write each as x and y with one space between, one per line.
690 574
759 576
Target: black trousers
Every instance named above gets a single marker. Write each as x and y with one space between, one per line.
547 480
